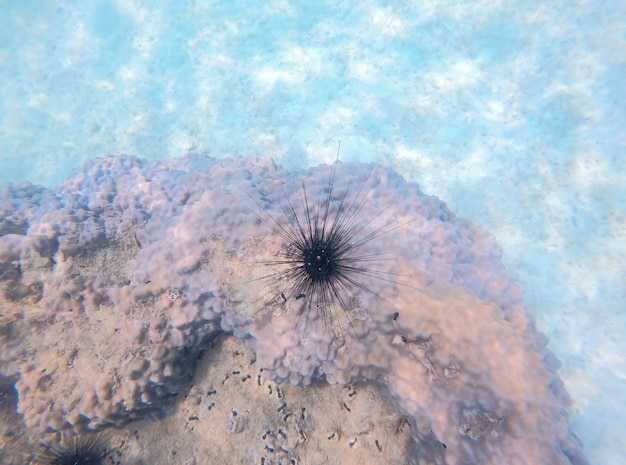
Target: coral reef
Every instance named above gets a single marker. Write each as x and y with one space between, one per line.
114 282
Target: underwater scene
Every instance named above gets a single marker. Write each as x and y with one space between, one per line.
298 232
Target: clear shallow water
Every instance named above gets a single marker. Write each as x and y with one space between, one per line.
510 113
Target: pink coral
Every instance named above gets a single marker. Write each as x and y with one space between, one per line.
177 247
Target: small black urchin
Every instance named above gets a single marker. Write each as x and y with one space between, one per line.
321 258
89 450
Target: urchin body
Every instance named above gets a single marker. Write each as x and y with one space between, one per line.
81 450
320 267
320 261
322 256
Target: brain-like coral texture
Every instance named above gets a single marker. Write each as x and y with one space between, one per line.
112 284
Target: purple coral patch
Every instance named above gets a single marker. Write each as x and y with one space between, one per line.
140 264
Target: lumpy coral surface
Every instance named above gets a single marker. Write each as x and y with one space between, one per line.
183 252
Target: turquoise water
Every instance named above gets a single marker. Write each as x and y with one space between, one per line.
511 112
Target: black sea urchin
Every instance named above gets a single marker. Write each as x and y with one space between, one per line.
322 259
80 450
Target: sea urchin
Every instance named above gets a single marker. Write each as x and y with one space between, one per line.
322 257
87 450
